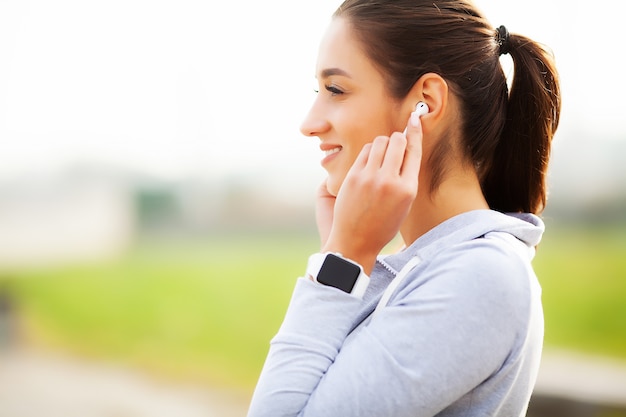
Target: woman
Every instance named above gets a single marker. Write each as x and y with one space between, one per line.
452 324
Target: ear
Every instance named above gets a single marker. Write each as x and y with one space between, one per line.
432 89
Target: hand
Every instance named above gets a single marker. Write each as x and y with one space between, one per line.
375 197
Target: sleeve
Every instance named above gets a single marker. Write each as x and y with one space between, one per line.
441 335
316 324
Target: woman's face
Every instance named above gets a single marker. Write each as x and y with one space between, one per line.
352 106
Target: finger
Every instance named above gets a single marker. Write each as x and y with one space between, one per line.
361 160
394 157
377 153
413 154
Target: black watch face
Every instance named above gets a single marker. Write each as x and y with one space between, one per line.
339 273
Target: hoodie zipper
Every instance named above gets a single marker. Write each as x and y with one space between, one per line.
382 263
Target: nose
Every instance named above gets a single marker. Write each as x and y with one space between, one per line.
314 124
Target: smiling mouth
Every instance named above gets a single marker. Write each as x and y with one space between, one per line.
332 151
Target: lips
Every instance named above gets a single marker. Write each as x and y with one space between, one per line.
330 148
331 151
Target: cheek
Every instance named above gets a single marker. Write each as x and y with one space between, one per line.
361 130
370 126
357 128
353 145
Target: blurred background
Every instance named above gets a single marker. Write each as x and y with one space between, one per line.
156 201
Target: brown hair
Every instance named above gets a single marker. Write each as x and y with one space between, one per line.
506 135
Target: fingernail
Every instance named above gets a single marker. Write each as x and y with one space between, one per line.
415 119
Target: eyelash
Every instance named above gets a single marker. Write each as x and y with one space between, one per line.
334 91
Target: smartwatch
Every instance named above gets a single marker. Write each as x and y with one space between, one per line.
334 270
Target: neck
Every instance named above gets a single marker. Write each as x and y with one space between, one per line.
458 193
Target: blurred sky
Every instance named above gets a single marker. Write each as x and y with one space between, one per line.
196 88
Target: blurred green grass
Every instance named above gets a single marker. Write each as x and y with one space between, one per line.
200 310
582 271
205 310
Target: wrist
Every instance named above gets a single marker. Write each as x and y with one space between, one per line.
334 270
364 259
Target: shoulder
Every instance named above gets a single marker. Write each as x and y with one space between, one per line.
488 276
498 260
481 291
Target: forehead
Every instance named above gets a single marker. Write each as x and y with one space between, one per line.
339 49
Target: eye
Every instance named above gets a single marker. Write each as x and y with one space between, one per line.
333 90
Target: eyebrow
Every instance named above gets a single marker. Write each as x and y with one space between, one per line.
334 71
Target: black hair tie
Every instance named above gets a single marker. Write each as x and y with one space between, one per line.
502 38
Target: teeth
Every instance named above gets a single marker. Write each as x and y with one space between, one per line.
332 151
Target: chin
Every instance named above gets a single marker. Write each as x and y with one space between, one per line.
333 186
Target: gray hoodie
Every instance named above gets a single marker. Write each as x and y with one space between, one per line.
460 336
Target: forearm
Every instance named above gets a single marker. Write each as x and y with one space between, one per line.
316 324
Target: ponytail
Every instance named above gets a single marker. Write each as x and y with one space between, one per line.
516 178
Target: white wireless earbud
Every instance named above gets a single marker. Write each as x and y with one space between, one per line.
421 108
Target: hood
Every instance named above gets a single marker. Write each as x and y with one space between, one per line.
527 228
